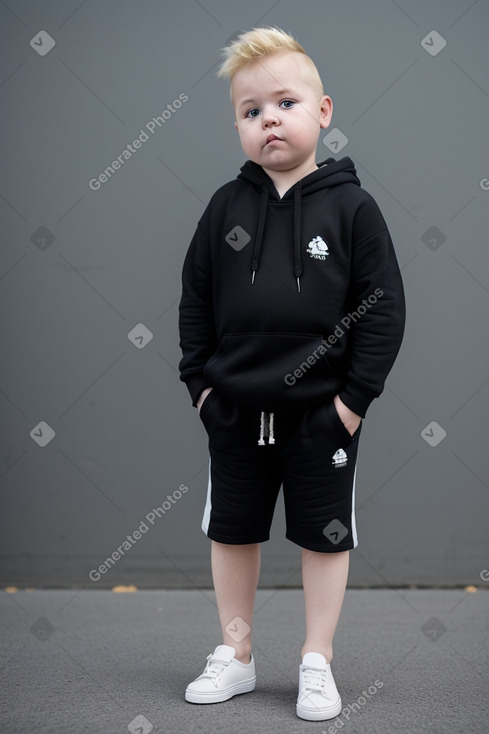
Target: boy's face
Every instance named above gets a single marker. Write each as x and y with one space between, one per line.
278 112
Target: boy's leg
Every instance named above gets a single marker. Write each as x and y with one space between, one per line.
319 465
235 573
324 577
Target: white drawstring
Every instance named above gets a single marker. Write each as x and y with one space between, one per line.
261 440
271 435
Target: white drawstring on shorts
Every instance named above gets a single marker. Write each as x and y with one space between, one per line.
263 428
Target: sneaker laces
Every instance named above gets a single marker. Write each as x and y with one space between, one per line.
315 679
214 669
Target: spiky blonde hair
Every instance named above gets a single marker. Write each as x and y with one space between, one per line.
259 43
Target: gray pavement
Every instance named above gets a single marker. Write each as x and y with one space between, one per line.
406 660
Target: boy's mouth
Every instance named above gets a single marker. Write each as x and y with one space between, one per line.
271 139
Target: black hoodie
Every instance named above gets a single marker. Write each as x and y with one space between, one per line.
288 301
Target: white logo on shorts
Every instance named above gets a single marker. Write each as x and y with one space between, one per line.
339 459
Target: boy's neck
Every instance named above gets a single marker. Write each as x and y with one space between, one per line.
284 180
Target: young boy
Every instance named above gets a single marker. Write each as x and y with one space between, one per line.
292 314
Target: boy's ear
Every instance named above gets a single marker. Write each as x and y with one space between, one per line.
236 125
326 111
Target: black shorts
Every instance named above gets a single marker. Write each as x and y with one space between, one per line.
310 453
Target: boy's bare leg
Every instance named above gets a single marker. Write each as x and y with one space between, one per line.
235 573
324 577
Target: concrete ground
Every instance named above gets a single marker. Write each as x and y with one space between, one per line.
406 660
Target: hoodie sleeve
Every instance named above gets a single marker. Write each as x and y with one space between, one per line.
198 339
376 322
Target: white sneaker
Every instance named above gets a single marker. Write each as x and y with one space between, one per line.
223 677
318 697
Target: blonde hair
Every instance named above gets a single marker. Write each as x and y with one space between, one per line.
259 43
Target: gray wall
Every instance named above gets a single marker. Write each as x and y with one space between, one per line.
90 280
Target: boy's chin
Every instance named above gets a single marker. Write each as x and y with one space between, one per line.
283 162
284 165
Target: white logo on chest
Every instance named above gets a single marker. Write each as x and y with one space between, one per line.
318 248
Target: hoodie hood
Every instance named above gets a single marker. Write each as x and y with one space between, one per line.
329 173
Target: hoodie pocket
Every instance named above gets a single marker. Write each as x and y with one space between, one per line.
270 370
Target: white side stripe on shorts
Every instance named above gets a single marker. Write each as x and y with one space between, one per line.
353 522
207 511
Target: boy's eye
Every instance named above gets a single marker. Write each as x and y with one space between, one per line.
253 113
287 104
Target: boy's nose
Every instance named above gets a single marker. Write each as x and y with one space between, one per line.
270 116
270 120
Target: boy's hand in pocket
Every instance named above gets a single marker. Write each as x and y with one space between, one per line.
202 397
350 420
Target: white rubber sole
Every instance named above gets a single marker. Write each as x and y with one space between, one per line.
315 714
245 686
